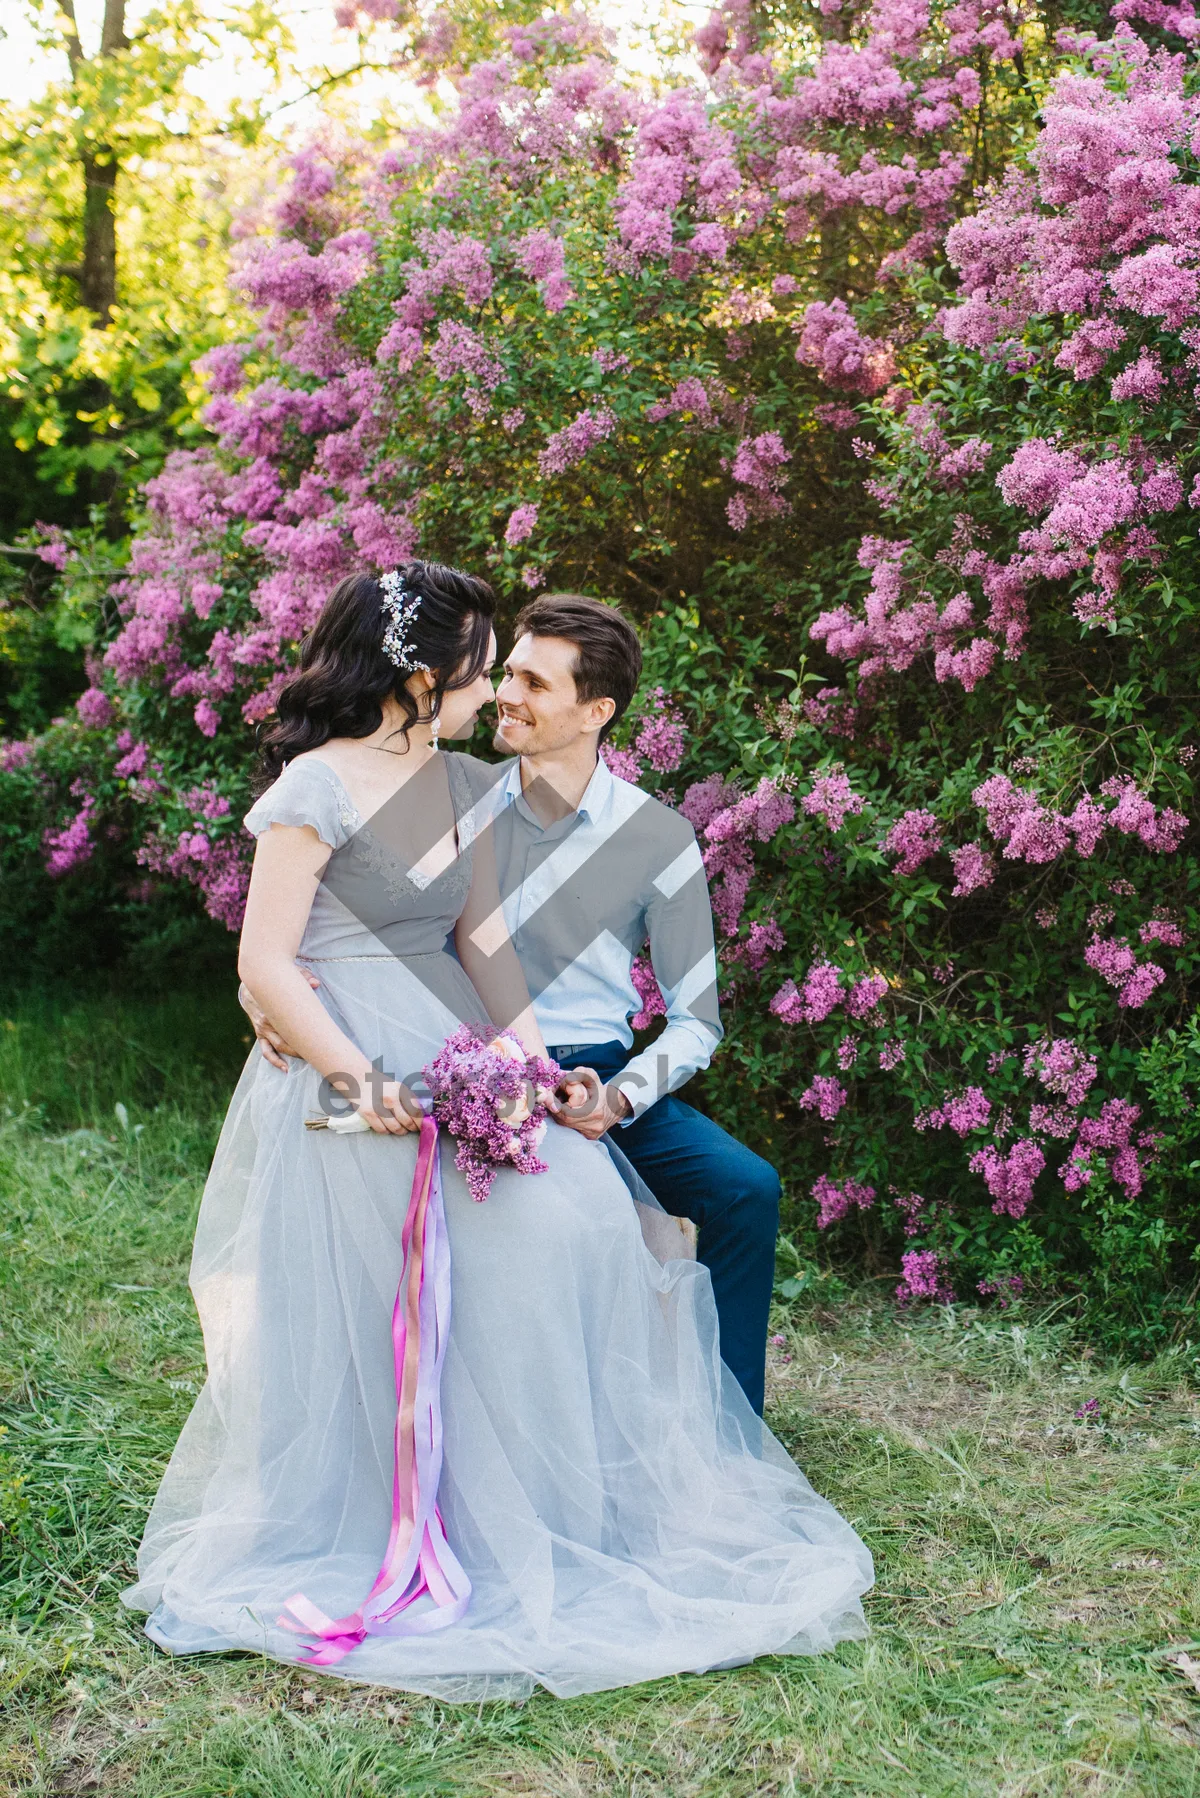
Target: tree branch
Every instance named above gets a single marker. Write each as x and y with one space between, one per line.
75 56
112 36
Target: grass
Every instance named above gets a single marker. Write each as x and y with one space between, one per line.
1037 1571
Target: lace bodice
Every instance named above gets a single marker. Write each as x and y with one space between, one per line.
395 883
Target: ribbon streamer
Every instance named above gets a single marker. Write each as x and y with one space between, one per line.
418 1562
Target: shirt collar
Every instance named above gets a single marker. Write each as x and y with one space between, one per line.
596 794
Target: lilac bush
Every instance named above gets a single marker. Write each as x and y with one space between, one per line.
874 405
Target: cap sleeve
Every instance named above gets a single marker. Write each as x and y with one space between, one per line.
306 793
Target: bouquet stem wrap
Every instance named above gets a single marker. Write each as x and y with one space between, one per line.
419 1562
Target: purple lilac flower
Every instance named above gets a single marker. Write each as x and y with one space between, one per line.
1062 1067
973 868
94 708
646 985
490 1095
833 799
834 1201
1010 1179
565 448
924 1277
914 838
826 1096
521 524
761 943
964 1112
866 996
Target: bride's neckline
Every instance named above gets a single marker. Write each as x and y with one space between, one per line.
315 761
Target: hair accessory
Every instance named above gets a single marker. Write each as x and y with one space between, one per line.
400 606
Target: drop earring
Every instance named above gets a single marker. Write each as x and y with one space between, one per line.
435 731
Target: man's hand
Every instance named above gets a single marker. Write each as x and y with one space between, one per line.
591 1108
272 1044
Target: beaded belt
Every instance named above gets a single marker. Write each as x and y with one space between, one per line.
417 955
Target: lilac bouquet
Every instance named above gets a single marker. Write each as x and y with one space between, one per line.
492 1097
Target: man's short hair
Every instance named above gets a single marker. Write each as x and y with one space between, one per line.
608 664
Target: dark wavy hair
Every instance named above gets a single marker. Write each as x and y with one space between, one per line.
343 676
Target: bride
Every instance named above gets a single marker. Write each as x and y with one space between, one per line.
619 1510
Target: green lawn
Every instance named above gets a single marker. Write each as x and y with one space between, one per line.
1037 1572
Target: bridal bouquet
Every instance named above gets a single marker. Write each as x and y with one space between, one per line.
492 1097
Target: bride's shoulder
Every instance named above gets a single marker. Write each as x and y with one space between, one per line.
308 791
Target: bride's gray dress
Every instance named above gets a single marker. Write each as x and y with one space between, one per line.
621 1512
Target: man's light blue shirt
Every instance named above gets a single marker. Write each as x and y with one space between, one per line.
582 896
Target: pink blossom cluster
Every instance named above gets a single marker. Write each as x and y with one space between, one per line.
542 257
911 1207
825 1095
217 864
1004 1288
832 344
924 1277
913 838
890 636
1162 930
758 468
1109 1138
1098 229
622 762
962 1113
1010 1178
71 846
835 1199
1114 960
491 1096
683 162
973 868
729 833
1091 511
821 992
1032 832
811 1003
645 983
522 521
458 349
94 708
661 736
832 798
830 709
1062 1067
762 941
566 448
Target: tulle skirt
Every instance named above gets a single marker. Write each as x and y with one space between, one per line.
621 1512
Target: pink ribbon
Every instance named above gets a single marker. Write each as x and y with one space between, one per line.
418 1562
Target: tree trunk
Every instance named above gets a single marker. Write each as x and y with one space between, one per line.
98 278
98 273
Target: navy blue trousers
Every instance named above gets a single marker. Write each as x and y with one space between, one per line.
697 1170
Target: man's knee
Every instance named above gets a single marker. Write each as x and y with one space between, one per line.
758 1188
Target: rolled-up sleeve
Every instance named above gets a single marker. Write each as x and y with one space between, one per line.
679 930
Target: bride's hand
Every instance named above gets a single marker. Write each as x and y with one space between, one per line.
399 1109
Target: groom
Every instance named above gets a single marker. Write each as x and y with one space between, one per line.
590 869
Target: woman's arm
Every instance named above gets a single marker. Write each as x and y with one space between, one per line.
288 862
486 951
